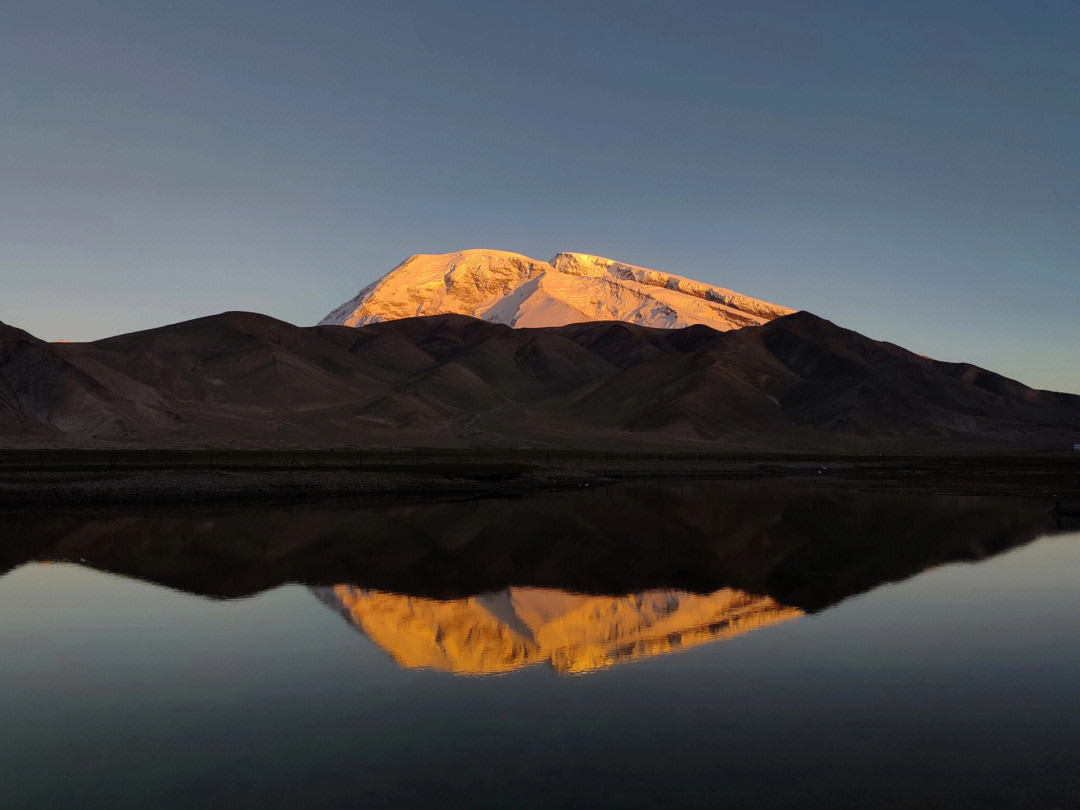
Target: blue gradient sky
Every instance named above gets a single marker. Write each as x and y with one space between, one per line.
909 170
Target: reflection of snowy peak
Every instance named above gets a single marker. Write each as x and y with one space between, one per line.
511 629
513 289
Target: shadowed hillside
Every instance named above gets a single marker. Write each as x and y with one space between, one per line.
795 383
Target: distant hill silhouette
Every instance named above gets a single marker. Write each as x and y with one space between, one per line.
797 382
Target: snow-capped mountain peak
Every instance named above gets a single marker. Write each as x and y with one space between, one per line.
513 289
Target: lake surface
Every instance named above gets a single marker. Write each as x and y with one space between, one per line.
699 645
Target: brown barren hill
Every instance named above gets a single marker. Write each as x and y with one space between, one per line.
247 380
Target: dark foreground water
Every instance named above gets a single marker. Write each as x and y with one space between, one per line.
681 646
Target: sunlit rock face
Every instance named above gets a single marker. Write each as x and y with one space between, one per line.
573 633
512 289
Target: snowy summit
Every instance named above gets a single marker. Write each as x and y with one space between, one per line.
512 289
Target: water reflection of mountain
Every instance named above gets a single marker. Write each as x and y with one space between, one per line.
803 546
519 627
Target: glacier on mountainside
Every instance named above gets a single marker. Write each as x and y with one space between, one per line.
512 289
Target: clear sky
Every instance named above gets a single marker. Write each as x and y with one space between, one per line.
909 170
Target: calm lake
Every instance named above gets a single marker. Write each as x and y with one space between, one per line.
677 645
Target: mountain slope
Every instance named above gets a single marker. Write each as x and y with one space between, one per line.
512 289
795 383
43 396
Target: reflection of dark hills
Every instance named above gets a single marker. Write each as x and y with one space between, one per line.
796 383
806 547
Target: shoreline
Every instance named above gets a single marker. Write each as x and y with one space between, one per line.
71 478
